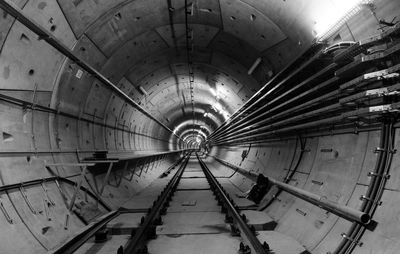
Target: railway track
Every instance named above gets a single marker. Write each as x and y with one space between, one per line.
191 213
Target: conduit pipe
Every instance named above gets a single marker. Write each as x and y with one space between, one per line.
343 211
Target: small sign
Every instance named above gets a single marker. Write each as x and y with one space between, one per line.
79 74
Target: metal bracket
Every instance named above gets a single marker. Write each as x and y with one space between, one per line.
373 174
51 202
276 198
142 167
106 177
352 240
363 197
301 212
3 209
23 193
380 149
78 187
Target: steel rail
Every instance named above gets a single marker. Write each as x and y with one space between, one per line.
12 9
342 211
250 235
84 234
136 243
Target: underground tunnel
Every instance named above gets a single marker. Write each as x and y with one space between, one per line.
199 126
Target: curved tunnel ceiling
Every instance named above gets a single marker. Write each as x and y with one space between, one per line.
236 46
143 47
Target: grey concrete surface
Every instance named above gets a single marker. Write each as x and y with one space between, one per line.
140 46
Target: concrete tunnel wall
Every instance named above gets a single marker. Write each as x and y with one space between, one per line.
33 71
335 167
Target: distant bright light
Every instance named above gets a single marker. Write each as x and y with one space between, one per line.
329 13
218 108
213 92
178 127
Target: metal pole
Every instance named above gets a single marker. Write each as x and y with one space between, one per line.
343 211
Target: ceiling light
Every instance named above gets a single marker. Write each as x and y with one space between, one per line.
254 66
330 15
213 91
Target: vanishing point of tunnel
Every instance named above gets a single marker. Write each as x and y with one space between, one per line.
199 126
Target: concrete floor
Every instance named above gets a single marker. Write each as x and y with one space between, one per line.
193 223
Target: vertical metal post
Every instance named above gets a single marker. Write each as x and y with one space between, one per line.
78 187
106 178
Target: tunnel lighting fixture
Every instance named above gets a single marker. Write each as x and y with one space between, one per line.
219 109
143 91
254 66
213 92
331 15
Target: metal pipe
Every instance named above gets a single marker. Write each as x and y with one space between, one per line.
16 12
252 117
272 85
257 127
287 129
254 66
343 211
